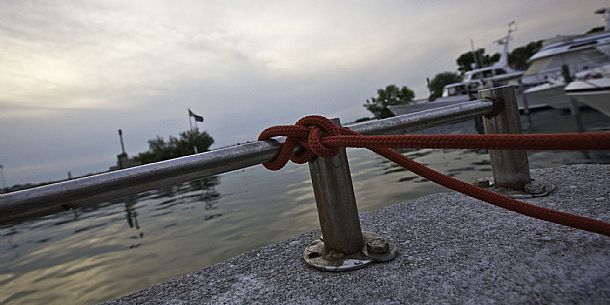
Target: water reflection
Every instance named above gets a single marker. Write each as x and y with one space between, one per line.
132 215
132 220
55 254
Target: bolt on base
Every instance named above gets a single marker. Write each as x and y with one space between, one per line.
375 249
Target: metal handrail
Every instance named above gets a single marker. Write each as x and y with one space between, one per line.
62 196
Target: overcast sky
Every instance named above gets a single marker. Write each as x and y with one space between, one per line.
72 73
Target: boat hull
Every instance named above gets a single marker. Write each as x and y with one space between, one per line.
552 95
594 93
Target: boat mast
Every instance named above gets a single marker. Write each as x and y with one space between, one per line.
503 62
476 55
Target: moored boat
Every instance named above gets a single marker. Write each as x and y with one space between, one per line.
545 80
592 88
550 93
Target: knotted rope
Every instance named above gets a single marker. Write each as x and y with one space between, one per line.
321 137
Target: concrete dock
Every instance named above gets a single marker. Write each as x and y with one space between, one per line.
452 250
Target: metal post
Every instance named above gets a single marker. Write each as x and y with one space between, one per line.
122 144
526 106
575 111
343 245
336 203
510 167
574 107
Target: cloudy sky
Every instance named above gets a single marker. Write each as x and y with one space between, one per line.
72 73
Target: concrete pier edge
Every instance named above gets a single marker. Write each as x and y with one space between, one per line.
452 250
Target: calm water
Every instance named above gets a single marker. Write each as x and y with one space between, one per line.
113 248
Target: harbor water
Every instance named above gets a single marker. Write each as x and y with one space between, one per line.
113 248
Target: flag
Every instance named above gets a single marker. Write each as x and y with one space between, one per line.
198 118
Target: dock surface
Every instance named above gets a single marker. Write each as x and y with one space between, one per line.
452 250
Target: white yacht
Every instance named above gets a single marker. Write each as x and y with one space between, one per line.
498 73
592 88
456 92
544 78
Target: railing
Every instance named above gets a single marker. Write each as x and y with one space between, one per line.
58 197
331 179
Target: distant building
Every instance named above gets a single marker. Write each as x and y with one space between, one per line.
123 160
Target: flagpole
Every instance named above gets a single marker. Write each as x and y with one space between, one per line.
191 129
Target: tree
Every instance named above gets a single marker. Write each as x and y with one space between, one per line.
465 60
159 150
439 81
391 95
519 56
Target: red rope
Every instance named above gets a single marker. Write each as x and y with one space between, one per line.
321 137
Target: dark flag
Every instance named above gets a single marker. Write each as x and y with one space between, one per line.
198 118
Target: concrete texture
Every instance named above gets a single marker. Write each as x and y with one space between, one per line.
452 250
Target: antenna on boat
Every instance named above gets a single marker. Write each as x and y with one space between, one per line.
505 41
476 55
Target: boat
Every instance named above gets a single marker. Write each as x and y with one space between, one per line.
545 81
548 94
592 88
500 73
456 92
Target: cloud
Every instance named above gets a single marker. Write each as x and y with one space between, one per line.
73 56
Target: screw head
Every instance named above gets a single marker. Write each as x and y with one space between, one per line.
377 246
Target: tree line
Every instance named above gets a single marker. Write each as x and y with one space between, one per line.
183 145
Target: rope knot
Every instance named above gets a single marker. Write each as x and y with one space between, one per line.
308 133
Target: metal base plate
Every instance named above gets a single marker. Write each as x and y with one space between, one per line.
317 256
533 189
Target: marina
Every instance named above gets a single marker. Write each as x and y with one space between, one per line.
494 188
